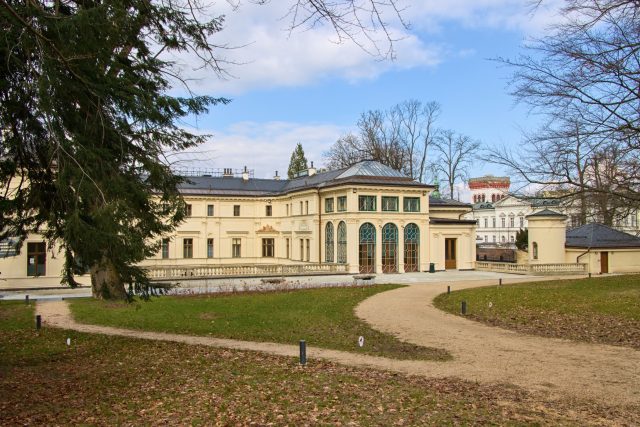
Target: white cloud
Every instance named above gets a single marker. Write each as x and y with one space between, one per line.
268 55
264 147
431 15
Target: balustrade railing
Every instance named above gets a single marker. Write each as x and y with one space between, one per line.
253 270
557 268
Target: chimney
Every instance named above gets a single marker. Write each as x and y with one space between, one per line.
276 177
245 174
312 170
227 173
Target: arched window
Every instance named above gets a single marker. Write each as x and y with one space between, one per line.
367 248
411 248
390 248
328 242
535 250
342 243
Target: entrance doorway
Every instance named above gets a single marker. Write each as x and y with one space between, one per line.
604 262
411 248
450 254
367 248
390 248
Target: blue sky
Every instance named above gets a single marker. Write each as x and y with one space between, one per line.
302 87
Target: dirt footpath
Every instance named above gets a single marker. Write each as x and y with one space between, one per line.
559 368
553 367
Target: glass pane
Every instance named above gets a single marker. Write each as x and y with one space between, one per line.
329 242
342 243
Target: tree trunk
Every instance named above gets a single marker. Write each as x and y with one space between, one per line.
105 281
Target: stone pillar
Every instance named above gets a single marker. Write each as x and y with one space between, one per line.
378 225
547 237
400 248
353 242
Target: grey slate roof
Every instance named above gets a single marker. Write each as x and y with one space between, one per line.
482 205
600 236
371 168
363 173
546 213
437 202
451 221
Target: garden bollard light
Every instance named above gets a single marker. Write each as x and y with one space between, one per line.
448 289
500 281
38 321
589 275
303 352
26 299
463 307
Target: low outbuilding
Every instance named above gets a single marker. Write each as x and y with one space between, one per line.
603 249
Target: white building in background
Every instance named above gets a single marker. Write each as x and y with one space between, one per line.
501 215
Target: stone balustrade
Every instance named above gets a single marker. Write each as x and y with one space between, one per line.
159 273
536 269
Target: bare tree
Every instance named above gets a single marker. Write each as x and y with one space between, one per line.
416 122
455 153
572 165
360 21
399 138
584 76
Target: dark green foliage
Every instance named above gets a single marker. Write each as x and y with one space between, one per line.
85 118
298 162
522 239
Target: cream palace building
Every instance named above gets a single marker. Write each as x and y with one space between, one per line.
367 218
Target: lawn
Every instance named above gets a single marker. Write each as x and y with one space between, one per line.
601 310
102 380
323 317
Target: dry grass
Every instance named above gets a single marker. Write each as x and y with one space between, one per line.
103 380
598 310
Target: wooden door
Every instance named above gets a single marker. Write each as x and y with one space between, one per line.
604 262
450 254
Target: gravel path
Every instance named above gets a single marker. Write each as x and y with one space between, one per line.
557 367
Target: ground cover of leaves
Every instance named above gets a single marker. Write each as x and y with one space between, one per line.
102 380
323 317
602 310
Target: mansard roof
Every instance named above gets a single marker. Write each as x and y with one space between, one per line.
596 236
362 173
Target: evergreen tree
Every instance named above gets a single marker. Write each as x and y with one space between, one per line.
522 239
85 119
298 162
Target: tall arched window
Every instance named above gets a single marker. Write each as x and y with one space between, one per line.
342 243
328 242
367 248
535 250
390 248
411 248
